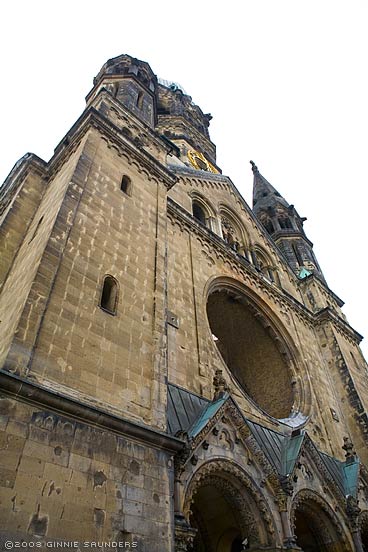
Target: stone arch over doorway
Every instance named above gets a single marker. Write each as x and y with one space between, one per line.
227 509
256 347
316 526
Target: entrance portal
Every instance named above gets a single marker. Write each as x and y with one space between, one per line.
316 527
216 521
227 510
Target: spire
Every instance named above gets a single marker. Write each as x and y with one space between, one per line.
284 225
264 194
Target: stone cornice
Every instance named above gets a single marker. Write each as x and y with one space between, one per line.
328 314
33 393
286 233
91 118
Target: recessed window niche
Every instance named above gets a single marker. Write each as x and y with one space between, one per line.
251 351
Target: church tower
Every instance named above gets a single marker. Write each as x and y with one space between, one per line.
175 373
285 226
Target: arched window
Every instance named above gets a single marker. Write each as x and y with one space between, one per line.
297 254
264 265
109 294
269 226
285 223
140 100
126 185
198 212
233 232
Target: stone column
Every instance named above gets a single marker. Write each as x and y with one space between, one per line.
357 540
289 542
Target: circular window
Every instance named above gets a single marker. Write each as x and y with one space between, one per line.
251 351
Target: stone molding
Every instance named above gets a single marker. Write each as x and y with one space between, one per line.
33 393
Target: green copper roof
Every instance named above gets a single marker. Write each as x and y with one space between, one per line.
290 453
304 273
351 475
190 413
206 415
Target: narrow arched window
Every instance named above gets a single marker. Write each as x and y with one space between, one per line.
140 100
199 213
126 185
109 295
297 254
285 223
269 226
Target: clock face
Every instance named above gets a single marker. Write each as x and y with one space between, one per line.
200 163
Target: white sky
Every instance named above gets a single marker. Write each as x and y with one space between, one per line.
285 80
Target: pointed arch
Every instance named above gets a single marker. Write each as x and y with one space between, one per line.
229 483
264 263
316 525
233 231
202 210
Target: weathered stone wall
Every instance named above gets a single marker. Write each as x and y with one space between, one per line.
18 215
27 257
64 479
64 338
348 376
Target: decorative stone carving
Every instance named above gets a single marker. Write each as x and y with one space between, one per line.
229 233
353 511
286 485
219 384
225 440
348 447
184 535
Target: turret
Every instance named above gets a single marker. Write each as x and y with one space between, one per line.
132 82
284 225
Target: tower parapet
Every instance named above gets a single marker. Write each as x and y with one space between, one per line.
132 82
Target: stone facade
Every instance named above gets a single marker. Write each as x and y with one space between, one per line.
176 374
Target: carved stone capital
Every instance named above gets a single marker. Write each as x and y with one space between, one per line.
184 534
282 500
